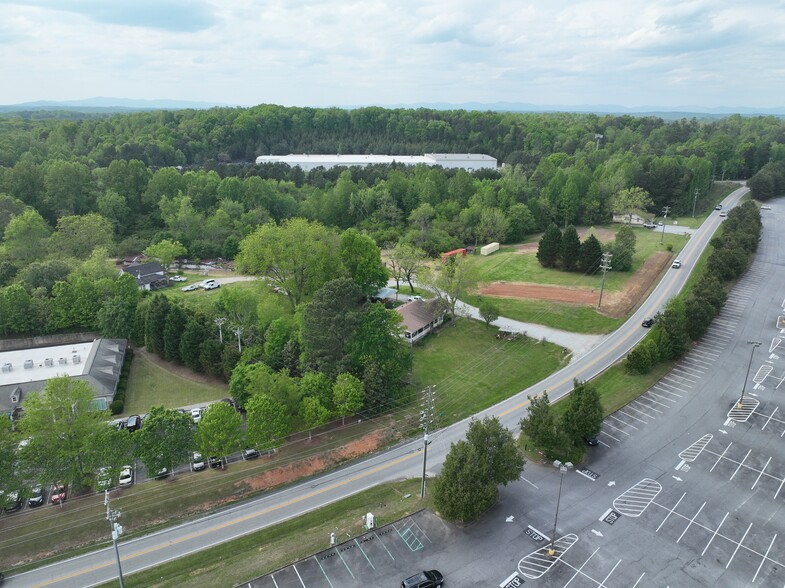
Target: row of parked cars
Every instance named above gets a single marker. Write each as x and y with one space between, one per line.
205 285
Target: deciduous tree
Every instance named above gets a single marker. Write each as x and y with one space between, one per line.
348 395
165 440
268 422
220 431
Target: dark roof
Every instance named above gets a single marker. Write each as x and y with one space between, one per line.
144 269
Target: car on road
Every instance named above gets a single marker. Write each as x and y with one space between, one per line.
196 415
649 226
676 263
190 288
427 579
718 207
126 476
647 322
723 214
37 496
134 423
197 462
59 493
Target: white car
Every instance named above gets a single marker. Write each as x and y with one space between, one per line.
413 298
178 279
197 462
190 288
676 263
196 414
212 286
126 476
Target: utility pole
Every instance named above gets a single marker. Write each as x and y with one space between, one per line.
427 415
665 212
238 331
117 530
220 322
605 266
598 137
694 202
755 345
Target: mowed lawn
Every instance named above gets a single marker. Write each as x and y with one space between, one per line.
509 266
472 370
151 385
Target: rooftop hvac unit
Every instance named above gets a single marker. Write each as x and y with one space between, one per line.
62 361
28 364
16 395
49 362
77 358
7 367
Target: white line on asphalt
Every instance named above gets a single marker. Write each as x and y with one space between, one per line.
670 511
294 566
662 397
639 580
606 423
632 416
776 408
659 386
738 545
610 416
650 393
338 551
646 406
363 552
765 557
714 533
527 481
692 520
760 474
720 457
609 574
385 547
741 463
578 571
609 435
678 369
678 466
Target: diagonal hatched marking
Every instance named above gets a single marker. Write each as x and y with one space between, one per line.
538 562
634 501
693 451
748 406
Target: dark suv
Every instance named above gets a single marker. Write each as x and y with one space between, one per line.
134 423
429 579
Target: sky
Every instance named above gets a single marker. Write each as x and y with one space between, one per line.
631 53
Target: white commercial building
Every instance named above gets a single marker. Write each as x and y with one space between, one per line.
467 161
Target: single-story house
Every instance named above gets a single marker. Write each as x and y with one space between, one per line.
134 259
420 317
149 276
625 219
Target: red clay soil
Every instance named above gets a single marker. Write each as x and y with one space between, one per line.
615 304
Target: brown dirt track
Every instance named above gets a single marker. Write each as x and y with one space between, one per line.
615 304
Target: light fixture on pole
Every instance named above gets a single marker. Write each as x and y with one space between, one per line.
755 345
665 211
220 322
563 468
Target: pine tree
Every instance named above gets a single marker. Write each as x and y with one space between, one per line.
569 249
589 255
548 250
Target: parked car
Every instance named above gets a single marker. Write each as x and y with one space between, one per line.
134 423
207 282
212 286
250 453
591 441
37 496
118 424
676 263
197 462
59 493
103 479
162 473
215 462
429 579
126 476
412 298
190 288
649 226
178 279
647 322
196 415
718 207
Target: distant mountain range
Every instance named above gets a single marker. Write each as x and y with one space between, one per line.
110 105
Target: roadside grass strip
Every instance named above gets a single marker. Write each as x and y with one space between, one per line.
634 501
694 450
741 410
537 563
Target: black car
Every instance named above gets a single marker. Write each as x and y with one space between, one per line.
134 423
429 579
37 496
647 322
215 462
592 441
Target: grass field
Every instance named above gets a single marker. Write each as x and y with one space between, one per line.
151 385
473 370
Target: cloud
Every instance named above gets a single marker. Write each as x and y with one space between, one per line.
169 15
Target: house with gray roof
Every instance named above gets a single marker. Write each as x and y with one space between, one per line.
420 317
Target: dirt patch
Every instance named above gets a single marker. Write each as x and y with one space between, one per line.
615 304
603 235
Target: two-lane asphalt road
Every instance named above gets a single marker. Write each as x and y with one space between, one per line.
403 461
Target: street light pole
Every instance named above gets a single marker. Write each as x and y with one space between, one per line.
220 322
665 210
755 344
605 265
563 467
694 202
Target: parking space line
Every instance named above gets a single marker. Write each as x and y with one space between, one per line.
679 369
383 545
365 554
720 457
688 369
326 577
609 574
741 463
738 545
675 383
662 397
273 579
692 520
661 383
714 533
765 557
615 428
776 408
670 512
633 416
760 474
707 364
649 393
638 581
338 551
622 422
578 571
697 351
294 567
609 435
638 401
777 493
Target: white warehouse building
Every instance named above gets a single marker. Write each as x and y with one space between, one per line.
468 161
